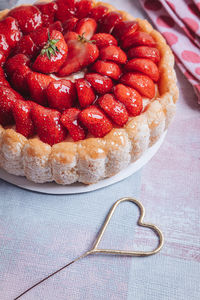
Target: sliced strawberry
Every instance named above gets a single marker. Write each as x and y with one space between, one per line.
138 38
109 21
145 66
9 28
28 17
104 40
66 9
22 114
16 62
70 24
83 7
4 47
53 54
37 84
2 58
47 124
145 52
40 37
114 109
107 68
113 53
142 83
95 121
86 95
19 81
56 26
48 10
98 12
26 46
61 94
124 28
7 97
86 26
81 53
69 119
130 98
3 80
101 84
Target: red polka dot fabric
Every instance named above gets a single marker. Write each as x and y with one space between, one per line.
179 23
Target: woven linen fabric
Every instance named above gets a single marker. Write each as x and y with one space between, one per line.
40 233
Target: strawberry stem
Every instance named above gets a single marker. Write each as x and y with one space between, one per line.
83 39
50 48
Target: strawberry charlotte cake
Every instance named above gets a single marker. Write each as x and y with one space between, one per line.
85 89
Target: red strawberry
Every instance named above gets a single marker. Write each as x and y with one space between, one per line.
2 58
101 84
86 95
114 109
40 37
109 21
113 53
4 47
124 28
7 97
70 24
18 79
130 98
61 94
27 16
96 121
86 26
10 29
142 83
104 39
66 9
145 66
107 68
83 7
81 53
47 124
145 52
70 120
22 114
52 55
16 62
138 38
56 26
37 84
48 10
98 12
3 80
26 46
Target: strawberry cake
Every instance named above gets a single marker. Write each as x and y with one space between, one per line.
85 90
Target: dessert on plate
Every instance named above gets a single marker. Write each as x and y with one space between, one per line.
85 90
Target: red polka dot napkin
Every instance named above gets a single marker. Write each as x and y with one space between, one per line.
179 23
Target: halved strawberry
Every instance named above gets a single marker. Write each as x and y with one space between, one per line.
3 80
130 98
86 26
70 24
113 53
16 62
7 97
69 119
19 81
61 94
142 83
81 53
28 17
26 46
98 12
124 28
22 114
145 52
107 68
53 54
47 124
10 29
138 38
104 39
4 47
48 10
66 9
114 109
40 37
145 66
56 26
101 84
37 84
109 21
86 95
95 121
83 7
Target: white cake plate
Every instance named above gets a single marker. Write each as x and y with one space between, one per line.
76 188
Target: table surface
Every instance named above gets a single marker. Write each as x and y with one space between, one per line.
40 233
